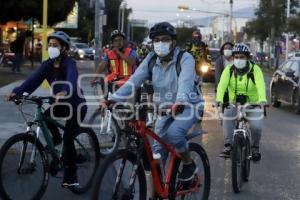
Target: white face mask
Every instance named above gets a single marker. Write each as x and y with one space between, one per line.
227 52
162 49
53 52
240 63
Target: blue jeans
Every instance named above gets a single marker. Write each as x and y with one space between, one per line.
174 131
253 116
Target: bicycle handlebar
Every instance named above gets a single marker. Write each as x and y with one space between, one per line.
36 99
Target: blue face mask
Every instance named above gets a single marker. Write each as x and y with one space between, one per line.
162 49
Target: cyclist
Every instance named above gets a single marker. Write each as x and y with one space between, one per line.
169 88
199 50
119 61
224 60
60 67
245 83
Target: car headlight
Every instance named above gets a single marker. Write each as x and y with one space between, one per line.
204 68
80 52
93 51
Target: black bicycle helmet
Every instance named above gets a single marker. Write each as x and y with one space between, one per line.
241 48
62 37
162 28
116 33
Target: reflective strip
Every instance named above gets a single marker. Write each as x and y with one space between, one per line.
113 65
125 68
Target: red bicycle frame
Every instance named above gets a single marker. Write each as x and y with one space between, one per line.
162 190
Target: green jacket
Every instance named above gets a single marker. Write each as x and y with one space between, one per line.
256 91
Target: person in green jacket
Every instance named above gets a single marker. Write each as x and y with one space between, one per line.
245 83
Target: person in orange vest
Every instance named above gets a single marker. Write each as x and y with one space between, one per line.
120 61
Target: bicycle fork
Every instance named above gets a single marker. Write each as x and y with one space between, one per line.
30 168
105 119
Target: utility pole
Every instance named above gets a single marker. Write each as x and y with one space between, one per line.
287 34
99 9
230 20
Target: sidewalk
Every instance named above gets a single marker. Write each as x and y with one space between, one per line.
7 76
11 121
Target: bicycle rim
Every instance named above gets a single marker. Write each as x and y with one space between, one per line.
108 140
87 159
29 179
199 187
237 165
113 178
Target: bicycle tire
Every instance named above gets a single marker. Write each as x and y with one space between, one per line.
105 148
6 149
237 162
247 162
86 179
108 167
205 167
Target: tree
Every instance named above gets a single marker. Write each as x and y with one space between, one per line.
86 22
15 10
270 20
184 35
294 24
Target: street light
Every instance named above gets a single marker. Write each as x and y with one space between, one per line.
185 8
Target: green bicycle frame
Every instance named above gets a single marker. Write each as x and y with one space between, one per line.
41 120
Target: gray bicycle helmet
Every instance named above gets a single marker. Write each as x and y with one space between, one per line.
61 36
162 28
116 33
241 48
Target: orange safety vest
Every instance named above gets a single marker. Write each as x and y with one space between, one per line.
118 66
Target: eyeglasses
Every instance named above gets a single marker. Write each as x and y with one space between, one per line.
164 39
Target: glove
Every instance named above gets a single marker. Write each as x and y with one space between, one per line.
177 108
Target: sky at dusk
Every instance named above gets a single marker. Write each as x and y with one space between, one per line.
161 10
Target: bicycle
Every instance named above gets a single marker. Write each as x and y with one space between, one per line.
241 149
122 174
104 126
24 157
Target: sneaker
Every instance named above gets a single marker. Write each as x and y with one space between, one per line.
226 153
70 178
188 172
256 156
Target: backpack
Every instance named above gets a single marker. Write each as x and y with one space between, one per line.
152 62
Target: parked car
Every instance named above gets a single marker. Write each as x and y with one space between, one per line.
285 85
81 51
261 57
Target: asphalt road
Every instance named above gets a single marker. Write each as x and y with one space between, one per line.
276 177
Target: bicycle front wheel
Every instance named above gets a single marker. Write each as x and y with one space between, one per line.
108 137
200 186
237 164
114 176
87 159
23 168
